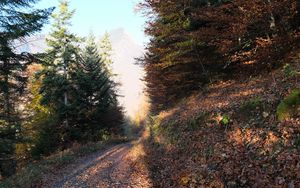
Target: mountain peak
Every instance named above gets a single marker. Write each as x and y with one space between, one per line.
119 34
119 30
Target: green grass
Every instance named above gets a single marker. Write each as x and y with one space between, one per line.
33 172
289 106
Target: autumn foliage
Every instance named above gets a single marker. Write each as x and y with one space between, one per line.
230 136
220 74
196 42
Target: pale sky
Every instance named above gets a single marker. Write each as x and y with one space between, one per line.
103 15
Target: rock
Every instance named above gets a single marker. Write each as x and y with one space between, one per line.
265 114
224 155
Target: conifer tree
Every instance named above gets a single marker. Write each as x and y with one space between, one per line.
60 59
17 20
105 50
95 92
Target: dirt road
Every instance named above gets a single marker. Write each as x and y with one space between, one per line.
110 168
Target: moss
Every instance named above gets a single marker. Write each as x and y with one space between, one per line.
289 106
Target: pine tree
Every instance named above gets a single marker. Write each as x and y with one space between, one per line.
60 59
105 50
17 20
95 92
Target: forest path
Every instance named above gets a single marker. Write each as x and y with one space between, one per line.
110 168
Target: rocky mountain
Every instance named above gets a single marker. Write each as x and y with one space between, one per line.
125 50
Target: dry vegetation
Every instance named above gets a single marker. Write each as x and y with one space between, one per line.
230 135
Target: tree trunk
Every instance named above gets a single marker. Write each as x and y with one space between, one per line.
7 109
272 18
297 14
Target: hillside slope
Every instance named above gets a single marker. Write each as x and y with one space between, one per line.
229 135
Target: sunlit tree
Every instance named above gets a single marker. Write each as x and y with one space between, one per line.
105 51
59 61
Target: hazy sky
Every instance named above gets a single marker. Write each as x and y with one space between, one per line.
103 15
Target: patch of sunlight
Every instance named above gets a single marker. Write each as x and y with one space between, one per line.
249 62
137 151
236 136
166 114
247 92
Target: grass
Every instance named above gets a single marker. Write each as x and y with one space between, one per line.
289 106
32 173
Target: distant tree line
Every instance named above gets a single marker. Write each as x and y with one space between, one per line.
49 101
195 42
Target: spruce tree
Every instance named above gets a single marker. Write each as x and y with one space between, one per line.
17 20
60 59
105 50
95 92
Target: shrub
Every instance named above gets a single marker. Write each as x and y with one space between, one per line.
289 106
225 120
47 140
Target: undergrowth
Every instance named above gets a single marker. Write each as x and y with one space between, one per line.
289 106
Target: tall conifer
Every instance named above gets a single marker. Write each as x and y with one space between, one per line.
60 59
95 91
17 20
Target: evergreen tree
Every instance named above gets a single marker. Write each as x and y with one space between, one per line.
95 93
105 50
60 60
17 20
